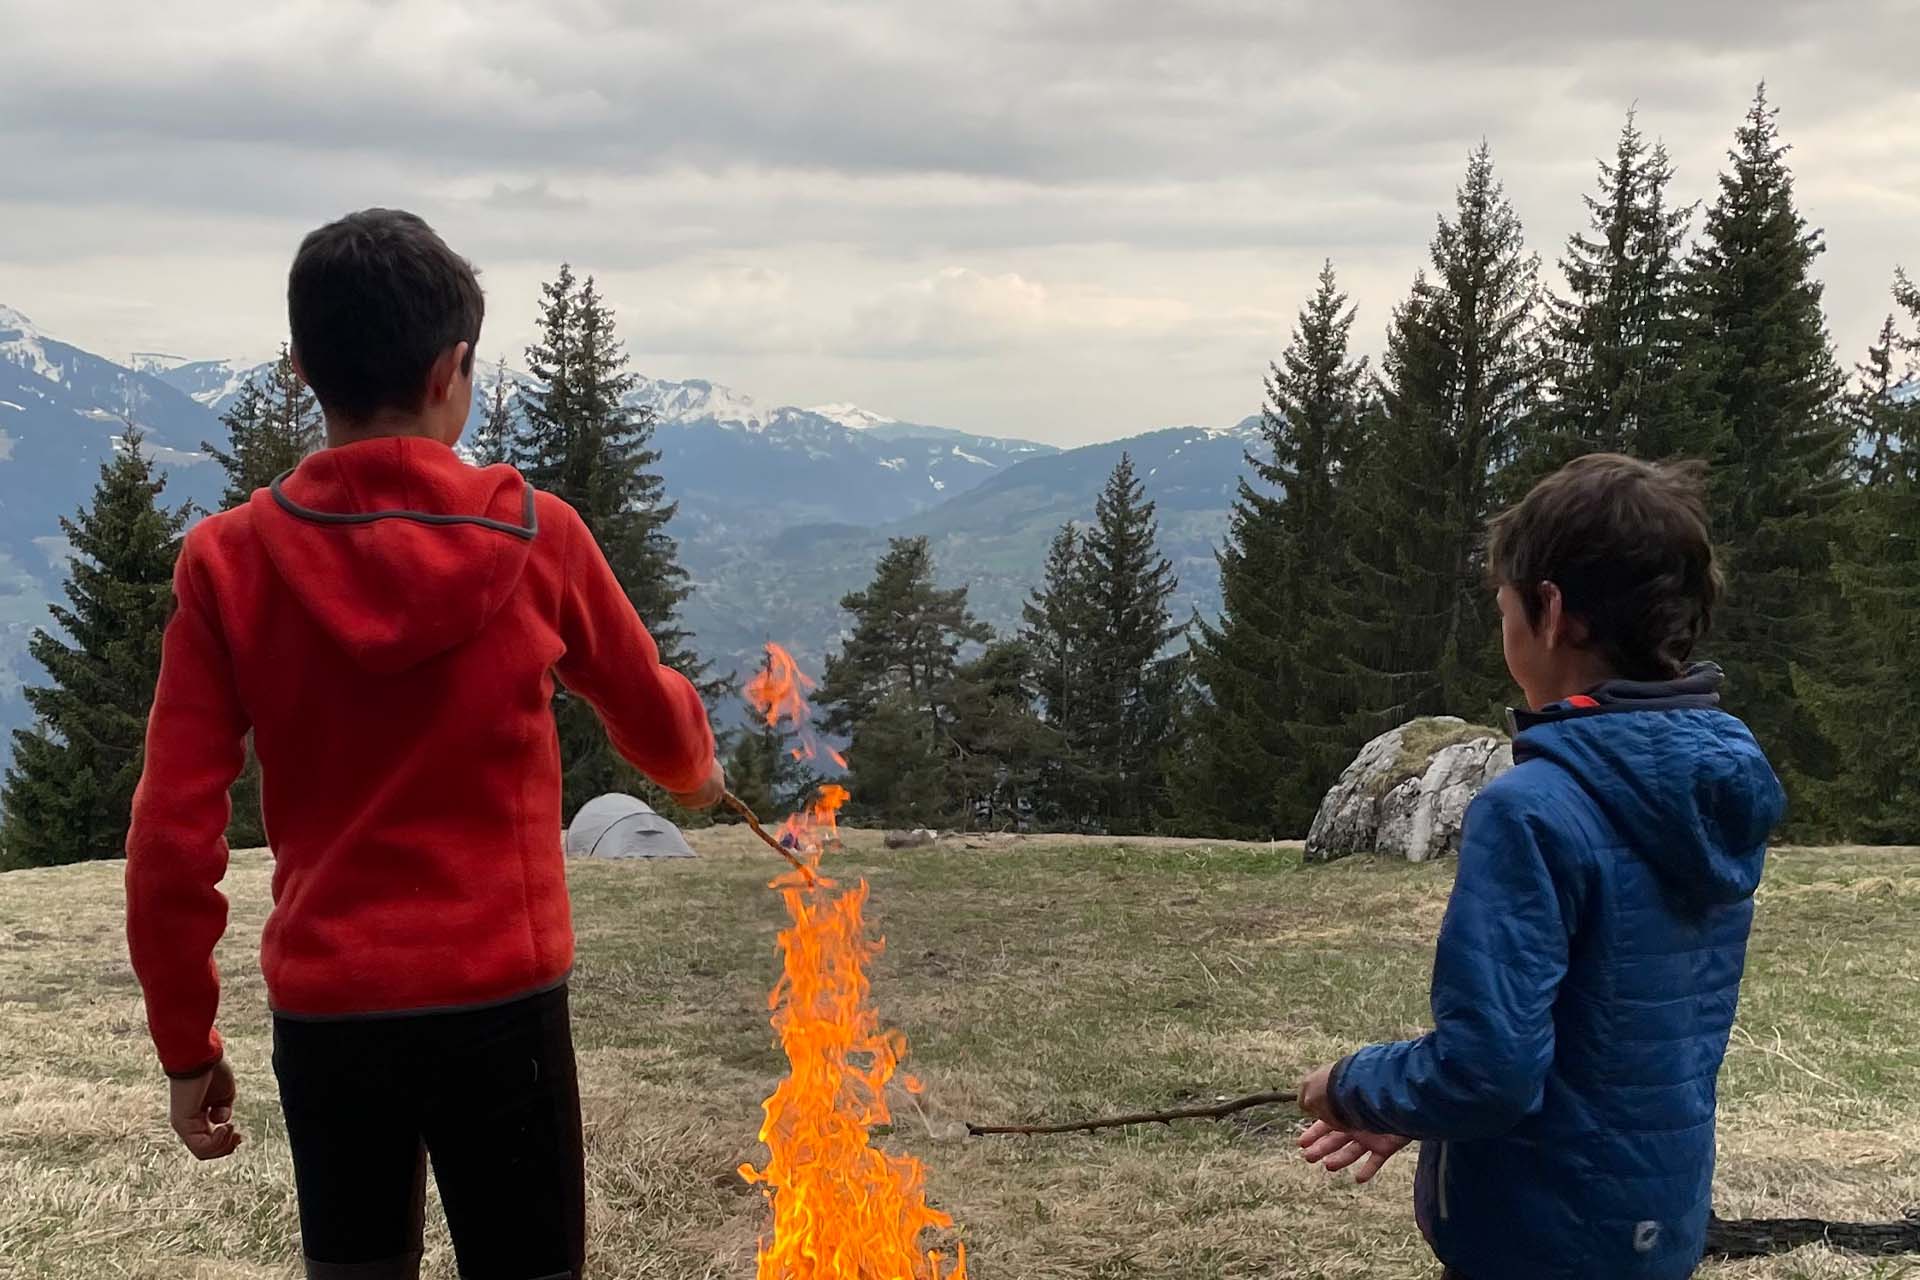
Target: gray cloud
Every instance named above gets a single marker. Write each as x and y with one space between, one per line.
891 195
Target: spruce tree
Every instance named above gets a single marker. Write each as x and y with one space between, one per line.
1248 771
1409 615
581 442
1868 701
1767 385
68 795
1001 747
1132 688
890 689
272 424
494 436
1615 339
1058 633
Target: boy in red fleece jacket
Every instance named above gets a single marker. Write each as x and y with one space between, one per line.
388 622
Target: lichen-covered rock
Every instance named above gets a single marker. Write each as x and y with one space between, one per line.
1406 794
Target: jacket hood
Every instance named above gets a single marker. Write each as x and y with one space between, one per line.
398 549
1684 782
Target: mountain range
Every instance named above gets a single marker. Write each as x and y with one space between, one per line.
782 509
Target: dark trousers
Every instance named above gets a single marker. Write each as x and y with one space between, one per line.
489 1095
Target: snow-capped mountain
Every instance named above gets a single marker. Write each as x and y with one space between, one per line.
852 415
213 383
782 509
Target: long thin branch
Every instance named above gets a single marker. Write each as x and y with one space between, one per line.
1219 1111
739 806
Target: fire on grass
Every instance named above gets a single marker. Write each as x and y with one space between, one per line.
842 1209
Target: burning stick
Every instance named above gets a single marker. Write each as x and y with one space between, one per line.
739 806
1219 1111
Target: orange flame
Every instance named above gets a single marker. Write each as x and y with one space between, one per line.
842 1209
779 692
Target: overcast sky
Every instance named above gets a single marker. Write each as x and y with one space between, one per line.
1066 219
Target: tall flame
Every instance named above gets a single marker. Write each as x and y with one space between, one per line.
842 1209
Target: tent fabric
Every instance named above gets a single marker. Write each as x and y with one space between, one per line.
619 826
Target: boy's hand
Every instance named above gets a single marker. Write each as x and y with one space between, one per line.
708 794
1337 1149
1314 1103
201 1112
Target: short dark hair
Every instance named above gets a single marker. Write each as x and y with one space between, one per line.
373 300
1627 544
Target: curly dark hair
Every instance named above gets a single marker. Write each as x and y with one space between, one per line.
1627 544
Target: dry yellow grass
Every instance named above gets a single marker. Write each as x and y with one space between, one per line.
1046 978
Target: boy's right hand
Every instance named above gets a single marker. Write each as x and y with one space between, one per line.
707 795
1338 1149
201 1112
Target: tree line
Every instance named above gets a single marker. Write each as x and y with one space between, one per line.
1351 574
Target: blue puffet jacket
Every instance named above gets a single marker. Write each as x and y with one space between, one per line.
1584 988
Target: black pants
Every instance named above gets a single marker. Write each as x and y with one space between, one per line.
490 1095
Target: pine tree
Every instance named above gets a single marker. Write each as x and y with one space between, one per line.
494 438
1408 614
1058 634
272 424
890 689
1768 386
1001 747
68 794
581 442
1132 688
1615 340
1247 771
1869 699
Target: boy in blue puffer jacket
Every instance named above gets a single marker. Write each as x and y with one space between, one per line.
1589 965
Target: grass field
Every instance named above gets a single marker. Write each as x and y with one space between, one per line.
1043 979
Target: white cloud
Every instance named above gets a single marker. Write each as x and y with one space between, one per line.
1118 204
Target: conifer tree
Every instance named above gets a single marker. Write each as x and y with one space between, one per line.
272 424
1615 341
1058 633
1000 745
1245 772
1868 701
1409 617
68 795
1768 386
890 689
494 435
580 441
1132 688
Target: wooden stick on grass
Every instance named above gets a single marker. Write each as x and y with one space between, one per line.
1219 1111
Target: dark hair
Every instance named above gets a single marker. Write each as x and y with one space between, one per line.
373 300
1626 543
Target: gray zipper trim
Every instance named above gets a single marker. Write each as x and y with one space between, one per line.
528 527
1446 1150
382 1015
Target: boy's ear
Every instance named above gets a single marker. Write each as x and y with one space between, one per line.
1560 628
299 370
440 377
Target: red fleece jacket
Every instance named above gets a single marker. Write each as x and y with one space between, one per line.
388 623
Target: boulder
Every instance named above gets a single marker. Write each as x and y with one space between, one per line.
1406 794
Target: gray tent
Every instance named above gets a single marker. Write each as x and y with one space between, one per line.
617 826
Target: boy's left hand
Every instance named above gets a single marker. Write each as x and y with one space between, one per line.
1314 1102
